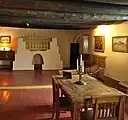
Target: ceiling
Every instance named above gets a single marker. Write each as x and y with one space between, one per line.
71 14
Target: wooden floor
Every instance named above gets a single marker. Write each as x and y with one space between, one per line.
26 78
28 104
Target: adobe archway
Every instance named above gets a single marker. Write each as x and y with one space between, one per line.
37 61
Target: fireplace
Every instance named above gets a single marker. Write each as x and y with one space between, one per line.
37 61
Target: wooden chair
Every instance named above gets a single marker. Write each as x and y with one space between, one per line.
110 81
60 103
98 74
104 109
123 86
106 79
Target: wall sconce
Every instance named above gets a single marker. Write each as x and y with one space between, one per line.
104 30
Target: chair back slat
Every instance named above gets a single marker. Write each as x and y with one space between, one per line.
106 109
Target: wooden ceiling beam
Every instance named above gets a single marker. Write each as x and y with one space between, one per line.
61 13
88 7
33 16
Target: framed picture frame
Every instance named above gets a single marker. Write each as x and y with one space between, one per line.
99 43
5 39
120 44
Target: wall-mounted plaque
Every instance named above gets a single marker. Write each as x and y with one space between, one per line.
5 39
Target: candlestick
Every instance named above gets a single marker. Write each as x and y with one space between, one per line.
79 82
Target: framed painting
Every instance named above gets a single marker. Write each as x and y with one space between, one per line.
5 39
120 44
99 43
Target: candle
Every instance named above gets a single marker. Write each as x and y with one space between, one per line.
82 66
81 59
77 64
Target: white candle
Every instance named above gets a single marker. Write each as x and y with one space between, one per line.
81 59
82 66
77 64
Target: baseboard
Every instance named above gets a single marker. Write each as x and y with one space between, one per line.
26 87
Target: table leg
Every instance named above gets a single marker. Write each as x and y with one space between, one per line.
76 111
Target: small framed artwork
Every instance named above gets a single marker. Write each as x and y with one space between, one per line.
99 43
120 44
5 39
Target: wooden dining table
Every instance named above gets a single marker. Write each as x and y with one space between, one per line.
92 87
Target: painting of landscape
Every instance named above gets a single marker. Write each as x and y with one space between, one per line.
120 44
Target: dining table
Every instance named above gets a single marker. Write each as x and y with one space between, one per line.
91 87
